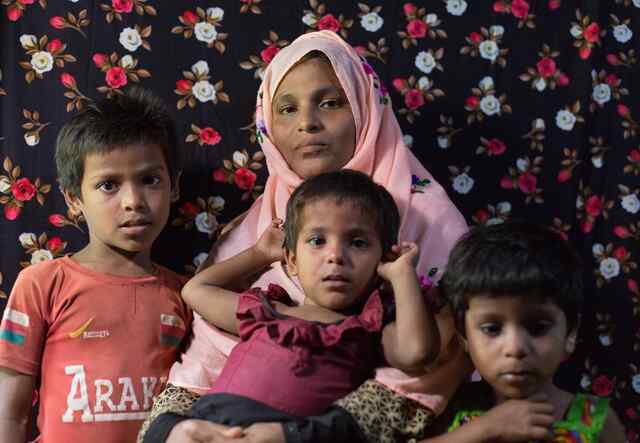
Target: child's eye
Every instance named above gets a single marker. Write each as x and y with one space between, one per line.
539 328
151 180
490 329
316 240
107 186
359 243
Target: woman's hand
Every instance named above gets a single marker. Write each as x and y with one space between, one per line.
202 431
270 243
402 258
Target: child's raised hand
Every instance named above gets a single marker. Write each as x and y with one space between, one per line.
521 420
401 258
271 241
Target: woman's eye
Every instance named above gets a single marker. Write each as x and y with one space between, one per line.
286 109
107 186
330 103
315 240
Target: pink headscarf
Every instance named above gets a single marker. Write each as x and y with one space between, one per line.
428 217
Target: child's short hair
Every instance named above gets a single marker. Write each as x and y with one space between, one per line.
515 258
350 186
135 117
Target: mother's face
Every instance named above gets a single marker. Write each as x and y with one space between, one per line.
313 125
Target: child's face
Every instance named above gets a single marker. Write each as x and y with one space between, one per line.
336 254
313 126
516 343
125 198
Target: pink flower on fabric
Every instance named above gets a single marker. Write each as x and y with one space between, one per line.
23 190
54 244
11 212
183 85
602 386
219 175
413 99
546 67
116 77
210 136
268 53
54 46
57 220
99 59
122 5
189 209
496 146
593 205
189 17
329 22
475 37
245 179
520 8
592 33
409 9
417 28
527 183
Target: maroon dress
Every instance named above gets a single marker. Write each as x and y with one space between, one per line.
298 366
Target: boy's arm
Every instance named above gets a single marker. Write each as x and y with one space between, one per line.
412 341
15 405
612 430
210 292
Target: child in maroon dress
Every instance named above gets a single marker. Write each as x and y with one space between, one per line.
295 361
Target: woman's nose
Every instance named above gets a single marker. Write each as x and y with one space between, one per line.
309 120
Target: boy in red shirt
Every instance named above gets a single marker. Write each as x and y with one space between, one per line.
96 332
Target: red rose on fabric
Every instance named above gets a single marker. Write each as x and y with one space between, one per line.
527 183
602 386
554 4
498 7
506 182
592 33
122 5
189 18
613 59
210 136
621 232
189 209
584 52
23 190
57 220
399 84
244 178
219 175
620 253
632 285
546 67
11 212
54 244
520 8
481 215
99 59
26 2
413 99
586 226
634 155
564 175
593 206
611 79
475 38
417 28
116 77
496 146
623 111
54 46
183 85
13 14
472 102
268 53
68 80
57 22
563 80
409 9
329 22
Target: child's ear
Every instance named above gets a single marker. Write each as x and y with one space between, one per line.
175 190
74 203
290 258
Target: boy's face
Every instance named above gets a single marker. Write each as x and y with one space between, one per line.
516 343
336 254
125 198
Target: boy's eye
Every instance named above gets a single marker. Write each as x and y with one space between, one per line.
490 329
359 243
107 186
316 240
151 180
539 328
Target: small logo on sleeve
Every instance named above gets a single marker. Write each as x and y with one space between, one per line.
14 326
172 330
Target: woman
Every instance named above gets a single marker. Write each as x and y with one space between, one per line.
321 108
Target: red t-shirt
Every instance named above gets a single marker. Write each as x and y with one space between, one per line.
100 346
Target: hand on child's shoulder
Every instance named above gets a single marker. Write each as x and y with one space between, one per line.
521 420
270 243
401 258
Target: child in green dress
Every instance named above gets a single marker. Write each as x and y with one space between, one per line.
516 290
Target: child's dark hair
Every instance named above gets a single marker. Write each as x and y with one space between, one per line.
343 186
137 117
515 258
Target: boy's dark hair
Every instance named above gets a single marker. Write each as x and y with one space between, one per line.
137 117
515 258
343 186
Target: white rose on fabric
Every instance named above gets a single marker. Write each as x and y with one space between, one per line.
28 41
217 202
496 30
408 140
425 62
539 124
636 3
130 38
635 383
456 7
630 203
200 68
580 203
486 83
601 93
215 13
28 239
5 185
462 183
597 249
503 208
371 22
42 62
443 142
489 50
494 221
597 162
540 84
565 120
206 223
522 164
575 31
424 83
622 33
204 91
309 19
199 259
31 139
205 32
126 62
431 19
605 339
609 268
240 159
585 382
41 255
490 105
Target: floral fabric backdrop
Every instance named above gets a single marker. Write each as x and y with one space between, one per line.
520 108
